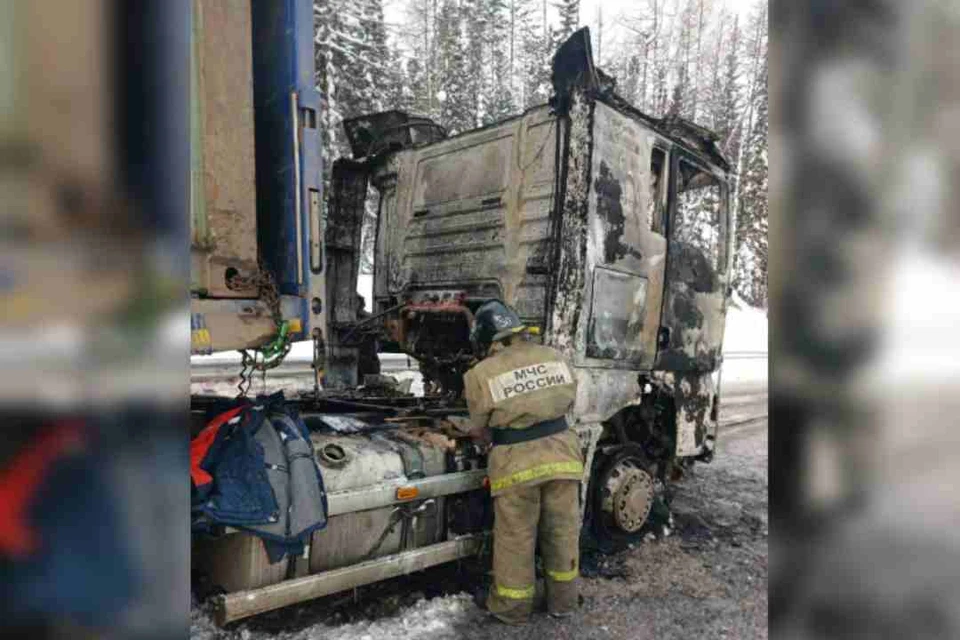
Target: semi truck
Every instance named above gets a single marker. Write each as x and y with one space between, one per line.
608 230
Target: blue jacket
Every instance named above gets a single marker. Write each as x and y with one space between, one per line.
257 472
81 566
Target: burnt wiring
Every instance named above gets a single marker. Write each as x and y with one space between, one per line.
366 321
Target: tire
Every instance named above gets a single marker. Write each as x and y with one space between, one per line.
601 532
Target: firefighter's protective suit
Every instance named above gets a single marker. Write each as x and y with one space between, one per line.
523 392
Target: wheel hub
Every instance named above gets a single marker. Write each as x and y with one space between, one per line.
633 501
628 495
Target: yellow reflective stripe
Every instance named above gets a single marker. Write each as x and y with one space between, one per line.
562 576
534 473
515 594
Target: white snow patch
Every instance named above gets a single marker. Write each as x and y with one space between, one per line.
923 313
435 619
744 345
300 351
365 289
745 330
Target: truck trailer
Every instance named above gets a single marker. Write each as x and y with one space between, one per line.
608 230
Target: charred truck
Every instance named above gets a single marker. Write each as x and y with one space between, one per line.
608 230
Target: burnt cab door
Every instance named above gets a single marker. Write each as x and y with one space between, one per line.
626 242
691 333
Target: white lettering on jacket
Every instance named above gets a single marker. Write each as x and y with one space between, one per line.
527 379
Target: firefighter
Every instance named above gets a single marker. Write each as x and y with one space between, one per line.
518 396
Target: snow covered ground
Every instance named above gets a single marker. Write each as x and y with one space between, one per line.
744 346
434 619
922 314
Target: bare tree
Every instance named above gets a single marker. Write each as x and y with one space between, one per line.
646 28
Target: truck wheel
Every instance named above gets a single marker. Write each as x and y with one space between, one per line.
626 498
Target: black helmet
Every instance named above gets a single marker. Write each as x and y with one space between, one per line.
494 321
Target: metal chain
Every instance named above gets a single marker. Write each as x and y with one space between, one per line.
273 353
245 369
317 361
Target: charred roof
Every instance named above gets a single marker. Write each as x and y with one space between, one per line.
375 134
573 68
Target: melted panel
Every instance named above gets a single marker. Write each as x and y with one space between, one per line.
625 246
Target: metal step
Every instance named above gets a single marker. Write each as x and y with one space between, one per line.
242 604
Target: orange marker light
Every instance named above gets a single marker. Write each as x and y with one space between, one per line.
486 482
407 493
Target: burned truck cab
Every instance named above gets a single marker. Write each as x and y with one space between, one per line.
608 231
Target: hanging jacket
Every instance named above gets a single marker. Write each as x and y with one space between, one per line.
253 468
62 547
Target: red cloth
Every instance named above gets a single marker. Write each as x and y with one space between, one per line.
201 444
21 479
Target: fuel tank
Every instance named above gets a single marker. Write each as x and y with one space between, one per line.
357 461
